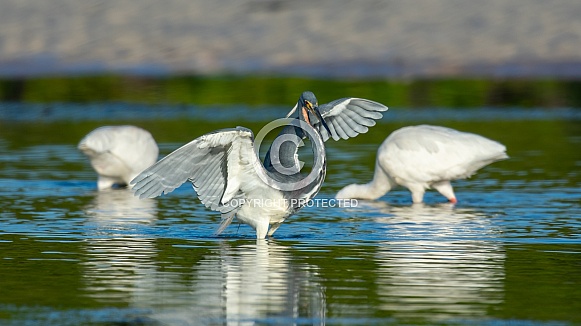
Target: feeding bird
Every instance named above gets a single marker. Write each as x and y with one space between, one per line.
118 153
227 175
424 157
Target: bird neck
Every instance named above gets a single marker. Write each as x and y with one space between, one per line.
377 187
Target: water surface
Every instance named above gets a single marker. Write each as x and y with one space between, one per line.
510 251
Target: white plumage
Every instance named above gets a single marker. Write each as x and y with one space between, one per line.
119 153
426 157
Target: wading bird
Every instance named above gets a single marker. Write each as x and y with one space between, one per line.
119 153
226 173
424 157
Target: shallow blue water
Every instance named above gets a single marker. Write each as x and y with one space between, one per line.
509 252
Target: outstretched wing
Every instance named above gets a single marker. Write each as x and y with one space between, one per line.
348 117
215 163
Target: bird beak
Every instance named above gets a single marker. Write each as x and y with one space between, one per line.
315 111
310 108
322 120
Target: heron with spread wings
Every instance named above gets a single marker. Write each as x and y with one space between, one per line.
227 175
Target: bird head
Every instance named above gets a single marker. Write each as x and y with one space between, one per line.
308 108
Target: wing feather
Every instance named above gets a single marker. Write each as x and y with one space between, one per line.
345 126
212 187
234 172
348 117
326 135
367 113
352 121
361 122
213 163
339 128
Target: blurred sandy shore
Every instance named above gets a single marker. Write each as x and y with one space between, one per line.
391 38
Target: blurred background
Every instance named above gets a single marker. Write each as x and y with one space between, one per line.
420 53
509 252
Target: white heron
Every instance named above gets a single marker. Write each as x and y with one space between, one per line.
119 153
424 157
226 173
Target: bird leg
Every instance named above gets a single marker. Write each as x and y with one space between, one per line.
104 182
445 188
417 193
262 229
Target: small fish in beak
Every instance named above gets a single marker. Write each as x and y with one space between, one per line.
318 114
314 109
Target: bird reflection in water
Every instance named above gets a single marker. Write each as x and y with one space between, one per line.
441 261
243 284
120 207
120 257
235 284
